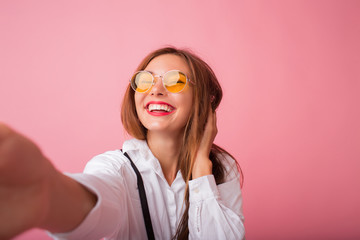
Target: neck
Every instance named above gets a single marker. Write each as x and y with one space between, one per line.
166 148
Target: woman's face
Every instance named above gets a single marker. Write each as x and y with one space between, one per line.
177 105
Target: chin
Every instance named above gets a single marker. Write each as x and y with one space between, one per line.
157 129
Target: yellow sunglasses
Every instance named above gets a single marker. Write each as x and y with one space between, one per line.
173 81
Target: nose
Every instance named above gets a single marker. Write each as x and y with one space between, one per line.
158 87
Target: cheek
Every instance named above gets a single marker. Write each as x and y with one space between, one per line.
189 109
138 102
189 99
188 105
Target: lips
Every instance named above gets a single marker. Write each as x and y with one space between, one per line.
159 108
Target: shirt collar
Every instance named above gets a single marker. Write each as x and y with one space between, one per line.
143 154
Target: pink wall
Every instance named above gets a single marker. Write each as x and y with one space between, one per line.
290 72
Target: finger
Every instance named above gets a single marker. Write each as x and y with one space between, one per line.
209 121
215 121
4 131
211 129
211 113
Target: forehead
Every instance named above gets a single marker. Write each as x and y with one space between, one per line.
163 63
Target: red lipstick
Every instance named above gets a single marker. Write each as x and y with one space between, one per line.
159 112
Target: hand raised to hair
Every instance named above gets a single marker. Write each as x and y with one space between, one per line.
203 165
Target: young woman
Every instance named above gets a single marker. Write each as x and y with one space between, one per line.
192 186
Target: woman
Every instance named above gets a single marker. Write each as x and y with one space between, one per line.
192 185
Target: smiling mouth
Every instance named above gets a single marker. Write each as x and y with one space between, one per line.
159 108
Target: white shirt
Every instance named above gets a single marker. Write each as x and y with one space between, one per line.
215 211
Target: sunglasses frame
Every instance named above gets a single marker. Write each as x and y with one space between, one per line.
162 80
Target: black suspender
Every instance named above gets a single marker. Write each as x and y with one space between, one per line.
144 204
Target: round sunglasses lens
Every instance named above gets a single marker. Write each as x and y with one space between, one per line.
141 81
174 81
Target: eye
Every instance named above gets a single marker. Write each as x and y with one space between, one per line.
142 81
174 77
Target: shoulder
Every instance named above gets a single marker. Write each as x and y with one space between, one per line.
110 161
115 160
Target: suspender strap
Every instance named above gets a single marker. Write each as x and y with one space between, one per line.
143 199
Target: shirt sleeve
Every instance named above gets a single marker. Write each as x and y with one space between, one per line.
215 211
108 217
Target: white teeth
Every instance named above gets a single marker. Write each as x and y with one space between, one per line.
160 107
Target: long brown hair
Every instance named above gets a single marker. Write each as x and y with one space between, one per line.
207 91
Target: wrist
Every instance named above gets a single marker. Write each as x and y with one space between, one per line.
202 167
70 202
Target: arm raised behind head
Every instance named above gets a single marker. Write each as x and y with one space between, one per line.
33 193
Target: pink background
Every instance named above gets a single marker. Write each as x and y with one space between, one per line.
290 72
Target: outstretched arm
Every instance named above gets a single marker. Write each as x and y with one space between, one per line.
33 193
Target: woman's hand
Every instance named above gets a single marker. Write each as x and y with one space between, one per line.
203 165
33 193
23 187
